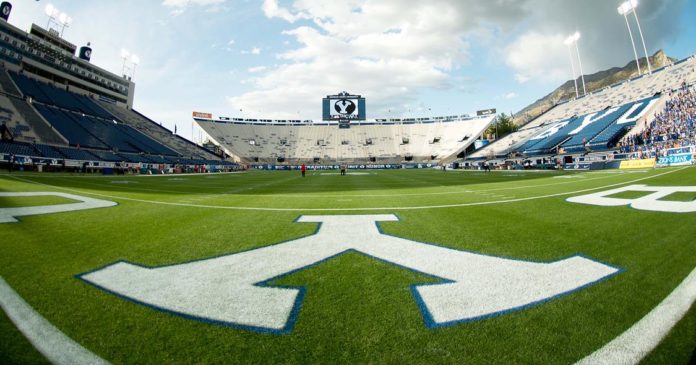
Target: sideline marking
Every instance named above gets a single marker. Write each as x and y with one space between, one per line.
7 215
352 209
644 336
49 340
233 289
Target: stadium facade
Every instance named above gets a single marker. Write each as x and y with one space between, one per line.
438 139
59 111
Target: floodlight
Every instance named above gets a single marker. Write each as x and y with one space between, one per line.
627 6
135 59
124 53
50 9
624 9
63 18
572 38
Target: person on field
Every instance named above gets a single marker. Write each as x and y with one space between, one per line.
303 168
343 169
10 167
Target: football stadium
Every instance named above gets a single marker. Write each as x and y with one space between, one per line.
346 233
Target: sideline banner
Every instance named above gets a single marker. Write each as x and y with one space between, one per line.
332 167
638 164
682 156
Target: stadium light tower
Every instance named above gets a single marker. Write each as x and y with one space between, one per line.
574 38
65 21
568 42
135 60
124 55
52 13
624 9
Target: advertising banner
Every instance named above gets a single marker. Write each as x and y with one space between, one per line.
682 156
637 164
203 115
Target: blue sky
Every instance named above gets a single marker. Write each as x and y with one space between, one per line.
277 58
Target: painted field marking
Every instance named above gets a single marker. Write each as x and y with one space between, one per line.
205 206
232 289
650 202
616 347
304 196
50 341
644 336
7 215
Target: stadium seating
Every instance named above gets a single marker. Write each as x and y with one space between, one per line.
667 78
75 133
592 125
49 151
383 141
146 126
52 95
20 149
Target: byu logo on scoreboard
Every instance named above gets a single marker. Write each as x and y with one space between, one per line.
344 106
233 290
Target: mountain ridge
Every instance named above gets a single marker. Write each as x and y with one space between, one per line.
593 82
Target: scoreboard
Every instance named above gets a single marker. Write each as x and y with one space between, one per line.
343 108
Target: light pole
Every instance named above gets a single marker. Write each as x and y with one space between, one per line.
628 7
623 10
574 39
568 42
65 21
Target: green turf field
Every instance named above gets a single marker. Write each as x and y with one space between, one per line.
355 309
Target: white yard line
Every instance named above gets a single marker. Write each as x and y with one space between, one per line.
354 209
49 340
639 340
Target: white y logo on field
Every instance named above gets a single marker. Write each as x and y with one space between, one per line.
7 215
650 202
232 289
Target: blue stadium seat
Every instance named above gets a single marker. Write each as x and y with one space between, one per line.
18 148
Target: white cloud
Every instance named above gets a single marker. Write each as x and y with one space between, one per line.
179 6
383 50
231 42
392 50
538 56
272 10
256 69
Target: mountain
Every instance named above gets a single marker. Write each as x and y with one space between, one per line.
593 83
